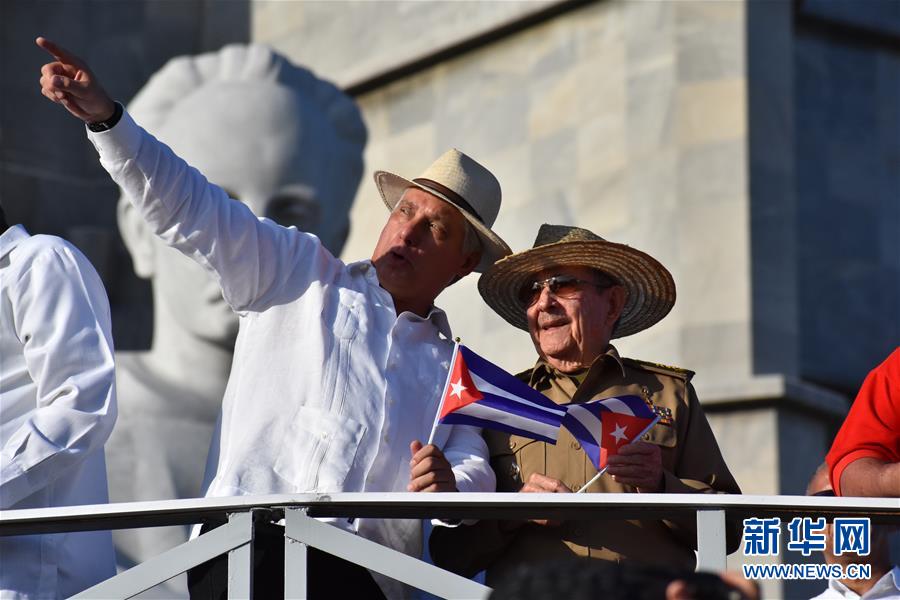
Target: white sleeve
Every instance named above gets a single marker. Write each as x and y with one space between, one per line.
257 262
467 453
61 315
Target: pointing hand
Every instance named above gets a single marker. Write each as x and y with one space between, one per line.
69 81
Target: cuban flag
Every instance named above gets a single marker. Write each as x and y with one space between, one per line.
481 394
604 426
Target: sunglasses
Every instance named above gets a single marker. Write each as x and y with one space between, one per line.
561 286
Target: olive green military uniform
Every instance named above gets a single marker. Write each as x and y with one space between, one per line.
691 462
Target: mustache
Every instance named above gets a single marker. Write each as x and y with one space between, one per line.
551 320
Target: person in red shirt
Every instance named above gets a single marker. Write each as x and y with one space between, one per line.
864 459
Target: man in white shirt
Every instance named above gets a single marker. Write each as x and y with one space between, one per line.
338 368
57 409
884 583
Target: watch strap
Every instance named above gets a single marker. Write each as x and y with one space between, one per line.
109 123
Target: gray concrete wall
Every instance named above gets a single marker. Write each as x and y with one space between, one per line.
626 118
350 41
847 103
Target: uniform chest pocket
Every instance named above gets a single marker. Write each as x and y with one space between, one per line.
666 438
319 451
661 435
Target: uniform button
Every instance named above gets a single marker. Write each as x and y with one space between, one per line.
576 445
512 445
645 437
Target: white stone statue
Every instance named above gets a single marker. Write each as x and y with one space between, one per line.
288 145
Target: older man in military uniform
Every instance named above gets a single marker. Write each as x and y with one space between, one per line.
574 292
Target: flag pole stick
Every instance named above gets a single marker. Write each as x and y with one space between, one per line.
603 470
589 483
437 416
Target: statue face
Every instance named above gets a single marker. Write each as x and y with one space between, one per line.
250 140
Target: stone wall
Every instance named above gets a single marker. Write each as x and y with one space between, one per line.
626 118
351 41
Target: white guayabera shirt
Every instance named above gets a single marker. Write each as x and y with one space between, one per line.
328 385
886 588
57 409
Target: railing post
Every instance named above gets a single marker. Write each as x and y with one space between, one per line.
711 540
240 560
295 565
376 557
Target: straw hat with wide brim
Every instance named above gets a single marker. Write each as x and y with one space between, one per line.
464 183
649 286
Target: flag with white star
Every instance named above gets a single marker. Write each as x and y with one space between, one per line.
604 426
481 394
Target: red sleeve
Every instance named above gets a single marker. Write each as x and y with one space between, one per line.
872 427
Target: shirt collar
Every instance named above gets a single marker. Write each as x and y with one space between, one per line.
890 579
10 238
843 590
543 370
890 582
438 318
436 315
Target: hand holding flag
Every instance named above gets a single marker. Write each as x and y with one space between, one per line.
429 470
604 427
637 464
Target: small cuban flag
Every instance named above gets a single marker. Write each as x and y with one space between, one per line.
604 426
481 394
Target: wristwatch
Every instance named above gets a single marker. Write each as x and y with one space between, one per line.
109 123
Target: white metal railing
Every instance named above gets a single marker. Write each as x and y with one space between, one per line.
302 529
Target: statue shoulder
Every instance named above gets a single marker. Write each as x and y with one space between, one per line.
659 369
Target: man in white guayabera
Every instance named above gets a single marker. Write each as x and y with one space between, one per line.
299 162
338 368
57 407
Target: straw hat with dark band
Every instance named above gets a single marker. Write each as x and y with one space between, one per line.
464 183
649 286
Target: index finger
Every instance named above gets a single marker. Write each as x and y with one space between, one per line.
58 52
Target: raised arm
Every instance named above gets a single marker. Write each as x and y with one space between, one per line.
257 262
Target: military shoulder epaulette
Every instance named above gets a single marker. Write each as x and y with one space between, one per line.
684 374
